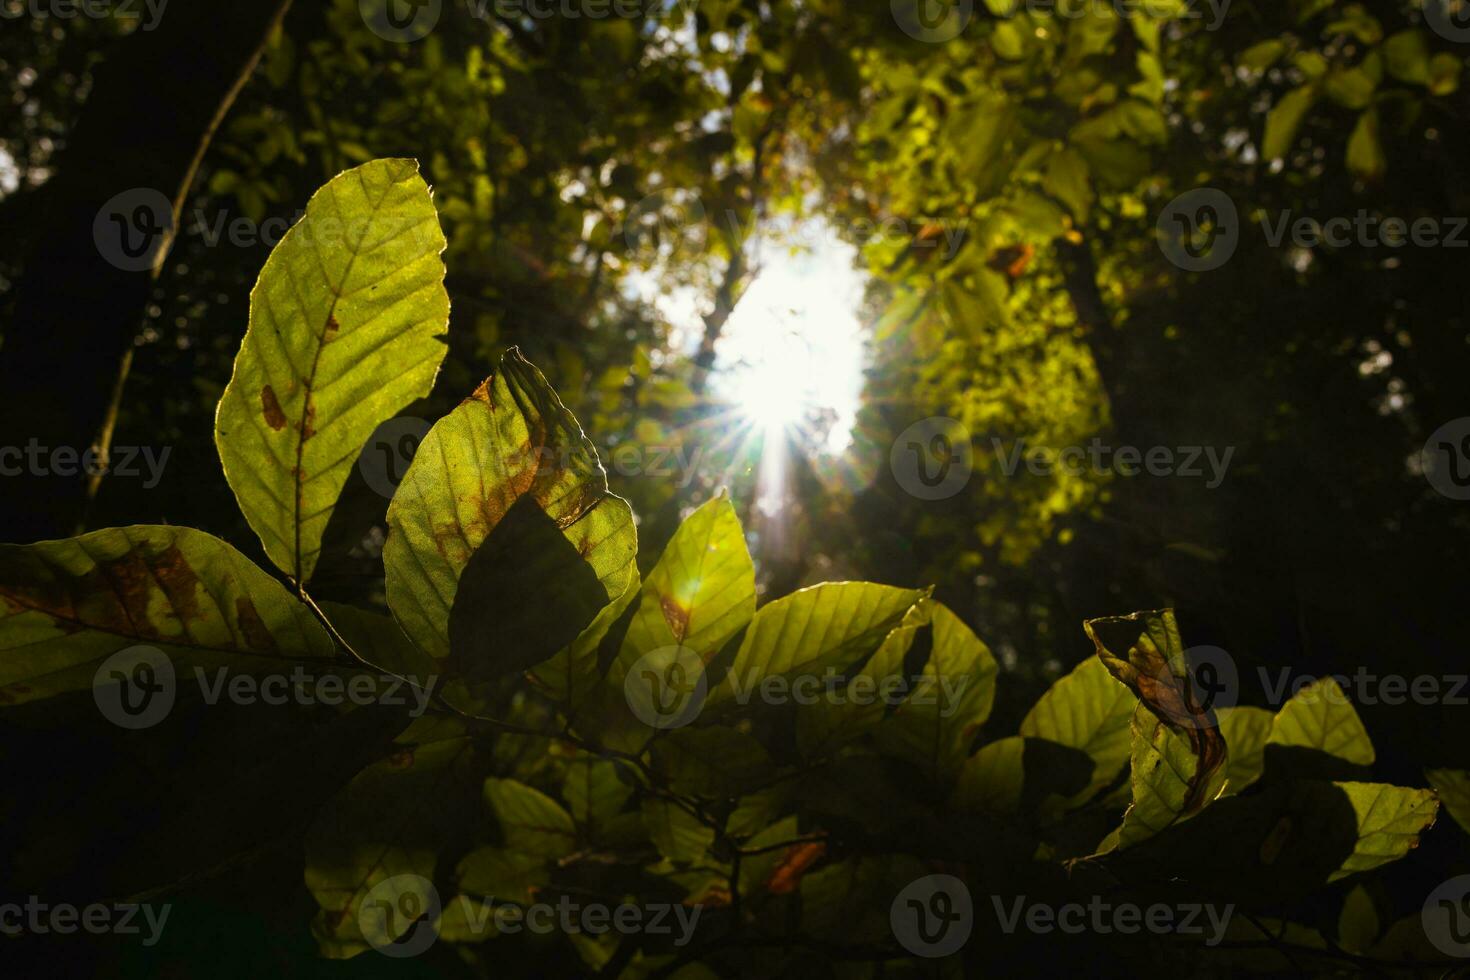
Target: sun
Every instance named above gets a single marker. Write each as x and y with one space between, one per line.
792 350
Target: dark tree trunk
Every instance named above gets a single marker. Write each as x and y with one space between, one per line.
153 110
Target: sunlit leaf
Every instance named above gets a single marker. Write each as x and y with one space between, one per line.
65 606
346 327
1320 717
539 577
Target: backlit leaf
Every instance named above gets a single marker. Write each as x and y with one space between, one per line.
347 327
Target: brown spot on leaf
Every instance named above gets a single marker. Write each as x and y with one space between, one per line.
675 615
402 759
483 393
116 595
257 637
332 325
274 417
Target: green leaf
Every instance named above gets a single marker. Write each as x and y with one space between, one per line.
1406 55
1259 57
856 707
1357 922
1453 786
347 327
1320 717
1067 179
701 592
530 821
1285 120
1444 74
491 598
713 761
67 605
1090 710
594 793
1365 155
389 823
575 674
1145 651
675 832
992 779
938 721
1352 88
1170 780
836 624
503 873
1246 730
1390 820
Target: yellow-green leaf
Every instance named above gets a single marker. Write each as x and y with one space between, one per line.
1320 717
65 606
347 327
503 540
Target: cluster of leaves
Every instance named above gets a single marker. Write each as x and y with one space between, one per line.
511 576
